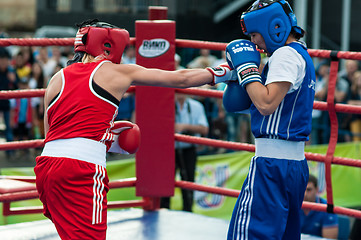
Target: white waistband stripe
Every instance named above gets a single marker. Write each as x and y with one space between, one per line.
77 148
278 148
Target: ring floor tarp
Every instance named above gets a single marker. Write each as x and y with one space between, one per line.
135 224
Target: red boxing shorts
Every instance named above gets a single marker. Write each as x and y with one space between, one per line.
73 193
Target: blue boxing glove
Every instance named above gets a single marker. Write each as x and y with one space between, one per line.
243 56
222 73
235 98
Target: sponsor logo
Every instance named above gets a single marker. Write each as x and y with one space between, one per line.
212 176
312 84
249 71
243 47
218 71
153 48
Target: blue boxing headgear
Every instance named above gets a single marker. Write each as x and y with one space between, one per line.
273 19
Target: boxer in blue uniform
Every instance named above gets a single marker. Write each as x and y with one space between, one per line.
282 97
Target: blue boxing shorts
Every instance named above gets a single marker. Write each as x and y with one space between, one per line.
269 204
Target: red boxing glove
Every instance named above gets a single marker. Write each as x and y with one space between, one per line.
127 137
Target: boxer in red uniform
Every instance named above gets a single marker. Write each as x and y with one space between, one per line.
81 104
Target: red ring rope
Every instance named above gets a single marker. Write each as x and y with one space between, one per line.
181 43
344 108
22 93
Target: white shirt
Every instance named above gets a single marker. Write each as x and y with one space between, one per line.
286 65
192 113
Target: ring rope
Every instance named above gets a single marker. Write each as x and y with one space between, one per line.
17 196
251 148
181 43
29 179
318 105
203 188
27 93
42 42
336 209
194 140
37 42
333 133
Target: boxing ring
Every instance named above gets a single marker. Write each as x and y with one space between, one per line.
155 159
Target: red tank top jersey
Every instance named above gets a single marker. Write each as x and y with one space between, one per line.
82 108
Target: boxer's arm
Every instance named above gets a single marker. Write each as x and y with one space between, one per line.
179 79
117 78
52 90
267 98
46 124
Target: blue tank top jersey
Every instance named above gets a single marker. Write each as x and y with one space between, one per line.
292 120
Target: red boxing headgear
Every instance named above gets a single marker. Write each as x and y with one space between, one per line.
100 38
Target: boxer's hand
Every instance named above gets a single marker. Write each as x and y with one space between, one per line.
222 73
127 137
235 98
243 56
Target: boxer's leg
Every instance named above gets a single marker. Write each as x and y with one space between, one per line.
76 198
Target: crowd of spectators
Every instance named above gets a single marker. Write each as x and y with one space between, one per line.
347 91
32 67
27 68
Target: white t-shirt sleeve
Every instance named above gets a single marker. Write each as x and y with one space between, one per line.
286 65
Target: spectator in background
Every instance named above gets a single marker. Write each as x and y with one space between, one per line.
190 119
344 119
205 59
58 57
342 88
211 105
7 82
37 81
219 124
22 114
129 55
220 60
3 34
46 63
28 55
316 223
342 91
177 61
226 126
37 78
355 99
322 73
22 68
238 125
68 53
355 233
351 66
231 119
